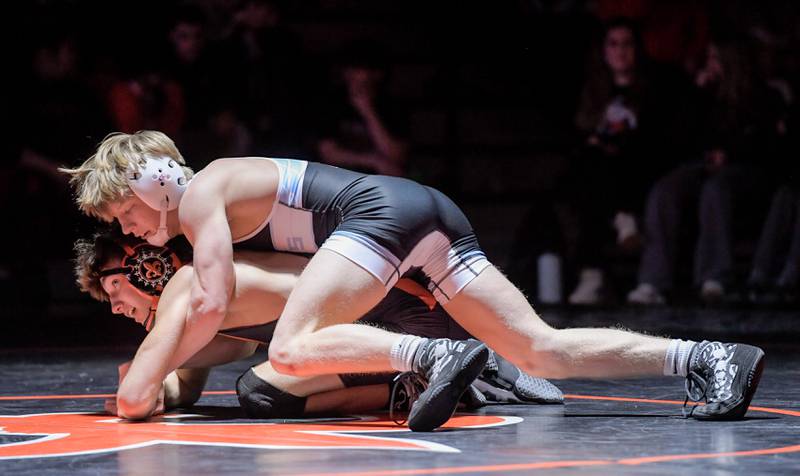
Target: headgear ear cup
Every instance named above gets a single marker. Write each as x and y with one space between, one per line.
160 183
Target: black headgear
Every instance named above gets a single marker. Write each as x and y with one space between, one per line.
148 268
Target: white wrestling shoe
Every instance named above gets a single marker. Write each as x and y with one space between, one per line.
587 292
645 295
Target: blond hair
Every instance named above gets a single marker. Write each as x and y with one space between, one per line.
103 177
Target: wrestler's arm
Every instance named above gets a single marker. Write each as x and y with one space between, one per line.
183 386
204 221
139 389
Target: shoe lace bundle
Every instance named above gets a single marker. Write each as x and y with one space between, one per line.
405 390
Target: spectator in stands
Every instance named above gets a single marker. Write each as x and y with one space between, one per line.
365 132
673 31
223 134
145 98
739 118
190 63
55 119
273 86
623 119
776 264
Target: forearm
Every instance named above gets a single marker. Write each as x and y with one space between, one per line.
213 275
138 392
196 335
211 290
221 350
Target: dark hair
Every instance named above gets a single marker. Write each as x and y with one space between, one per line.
92 255
630 25
108 245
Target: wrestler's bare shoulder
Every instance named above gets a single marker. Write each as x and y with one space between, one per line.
227 166
245 186
263 283
181 282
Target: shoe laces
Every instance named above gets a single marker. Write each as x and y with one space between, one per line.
696 390
406 389
703 383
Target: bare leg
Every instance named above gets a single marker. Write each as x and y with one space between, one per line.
349 400
326 393
298 386
495 311
314 334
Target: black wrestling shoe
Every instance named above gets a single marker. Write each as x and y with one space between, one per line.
725 376
502 382
449 366
472 399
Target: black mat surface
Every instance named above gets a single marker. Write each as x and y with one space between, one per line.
638 430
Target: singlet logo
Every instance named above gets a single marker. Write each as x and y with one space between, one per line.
69 434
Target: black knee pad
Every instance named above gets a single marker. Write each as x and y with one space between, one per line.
357 380
259 399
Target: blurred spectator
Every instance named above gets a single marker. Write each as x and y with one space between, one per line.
739 121
223 135
366 131
625 116
674 32
145 98
776 263
191 65
270 78
58 110
774 273
59 120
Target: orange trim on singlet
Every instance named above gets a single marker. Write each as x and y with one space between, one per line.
415 289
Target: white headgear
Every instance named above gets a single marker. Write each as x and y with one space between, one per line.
159 183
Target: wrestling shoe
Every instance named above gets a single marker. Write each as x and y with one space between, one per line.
472 399
502 382
645 295
449 366
725 376
406 388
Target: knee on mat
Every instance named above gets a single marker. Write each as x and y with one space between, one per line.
259 399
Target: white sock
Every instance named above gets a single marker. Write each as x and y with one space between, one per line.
403 350
676 362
